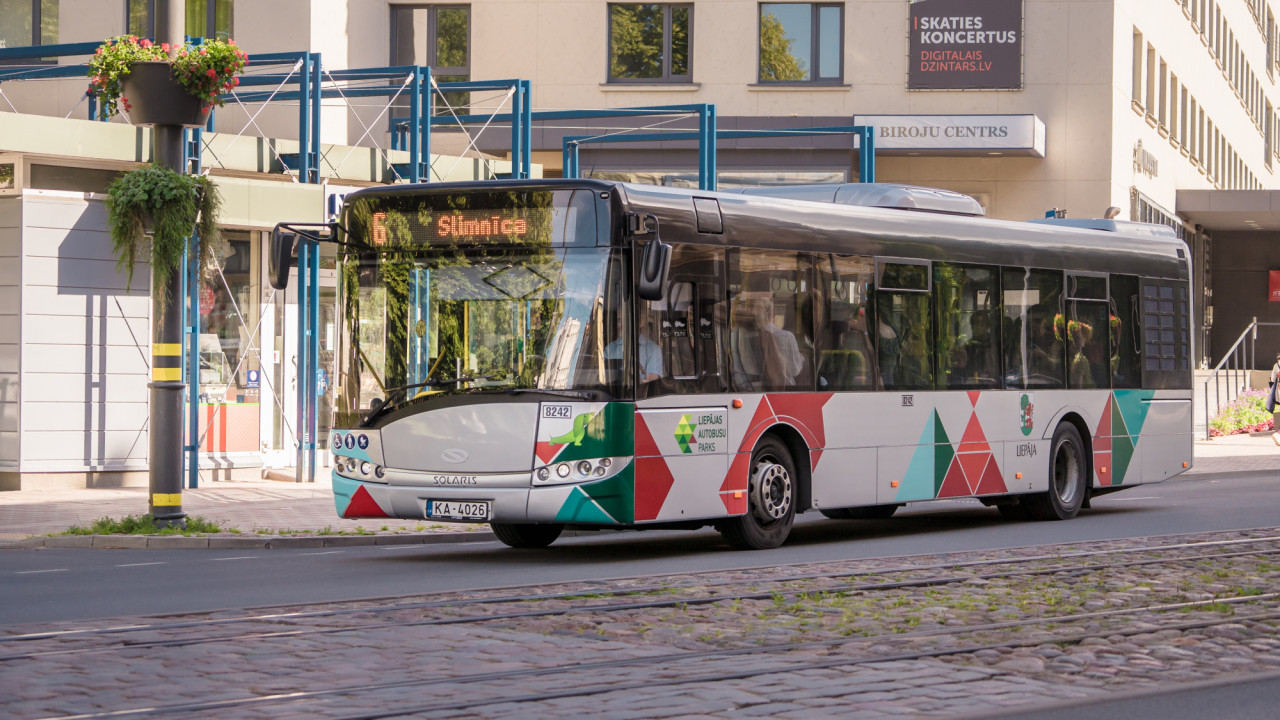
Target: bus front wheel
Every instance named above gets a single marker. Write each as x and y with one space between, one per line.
527 535
771 500
1068 477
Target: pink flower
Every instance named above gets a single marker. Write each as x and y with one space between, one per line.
164 47
235 81
145 43
211 72
230 41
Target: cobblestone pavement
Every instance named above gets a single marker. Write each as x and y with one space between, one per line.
925 636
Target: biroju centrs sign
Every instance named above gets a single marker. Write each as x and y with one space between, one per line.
965 45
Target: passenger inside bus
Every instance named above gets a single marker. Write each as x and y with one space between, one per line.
765 357
650 359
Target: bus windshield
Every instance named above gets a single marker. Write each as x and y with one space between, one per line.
431 315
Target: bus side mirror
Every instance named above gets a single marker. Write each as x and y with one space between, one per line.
280 257
655 263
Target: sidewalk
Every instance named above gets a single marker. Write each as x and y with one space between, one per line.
261 509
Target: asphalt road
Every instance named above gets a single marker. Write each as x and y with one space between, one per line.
67 584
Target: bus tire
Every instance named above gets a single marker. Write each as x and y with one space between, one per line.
1068 477
527 535
771 499
870 512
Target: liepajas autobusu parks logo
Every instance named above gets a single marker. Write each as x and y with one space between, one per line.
684 433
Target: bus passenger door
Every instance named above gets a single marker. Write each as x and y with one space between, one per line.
682 436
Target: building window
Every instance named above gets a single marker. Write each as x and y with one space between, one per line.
28 23
435 35
650 43
801 42
204 18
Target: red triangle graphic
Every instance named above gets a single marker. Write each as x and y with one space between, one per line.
814 456
546 452
645 445
973 464
973 439
1104 425
953 485
1102 443
736 479
1102 464
992 482
653 483
973 397
363 505
762 418
806 411
734 505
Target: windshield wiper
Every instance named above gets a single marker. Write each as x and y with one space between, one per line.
384 404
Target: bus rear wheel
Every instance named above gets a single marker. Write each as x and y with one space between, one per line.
771 500
871 512
1068 477
527 535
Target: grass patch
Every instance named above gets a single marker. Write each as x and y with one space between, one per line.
142 525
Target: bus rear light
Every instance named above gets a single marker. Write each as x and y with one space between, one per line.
893 483
737 403
1186 465
1017 476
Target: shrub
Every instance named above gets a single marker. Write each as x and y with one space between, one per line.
1246 414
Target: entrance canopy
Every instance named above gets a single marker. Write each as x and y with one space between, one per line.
1231 209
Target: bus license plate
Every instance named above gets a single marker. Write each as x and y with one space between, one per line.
458 509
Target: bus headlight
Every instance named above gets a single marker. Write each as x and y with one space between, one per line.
366 467
576 471
544 474
562 470
584 467
379 471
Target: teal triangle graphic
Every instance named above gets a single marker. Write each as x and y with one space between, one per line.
1133 409
579 508
917 484
944 453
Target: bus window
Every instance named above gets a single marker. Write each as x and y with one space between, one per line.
1087 334
686 328
846 355
1125 332
904 328
769 349
968 339
1033 328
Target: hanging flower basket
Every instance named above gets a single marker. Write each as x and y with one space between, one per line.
157 98
159 84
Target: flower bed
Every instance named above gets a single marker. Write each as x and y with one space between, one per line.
1245 414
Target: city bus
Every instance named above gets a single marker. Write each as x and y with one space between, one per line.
548 354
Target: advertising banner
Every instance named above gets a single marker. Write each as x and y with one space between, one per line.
965 45
1273 286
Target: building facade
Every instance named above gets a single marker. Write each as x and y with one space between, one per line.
1164 109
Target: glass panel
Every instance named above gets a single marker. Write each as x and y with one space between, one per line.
48 22
1033 328
6 176
785 39
676 330
515 318
229 359
1123 324
968 340
15 23
680 41
1088 288
1087 346
452 36
902 276
769 347
829 27
138 20
905 341
197 18
846 354
222 18
635 42
409 30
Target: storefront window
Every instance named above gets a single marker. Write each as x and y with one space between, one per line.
230 365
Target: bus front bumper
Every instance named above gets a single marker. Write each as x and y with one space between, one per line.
360 499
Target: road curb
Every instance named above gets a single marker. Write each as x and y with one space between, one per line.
237 542
1227 474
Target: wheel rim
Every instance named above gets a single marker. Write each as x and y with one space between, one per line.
1067 467
771 490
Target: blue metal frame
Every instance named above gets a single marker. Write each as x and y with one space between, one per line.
707 135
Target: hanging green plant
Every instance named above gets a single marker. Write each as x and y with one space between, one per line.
166 204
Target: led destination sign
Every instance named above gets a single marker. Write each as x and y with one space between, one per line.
535 217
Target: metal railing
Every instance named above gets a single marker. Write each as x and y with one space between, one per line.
1231 374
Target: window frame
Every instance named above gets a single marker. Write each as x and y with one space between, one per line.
815 9
210 19
35 39
667 77
433 11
